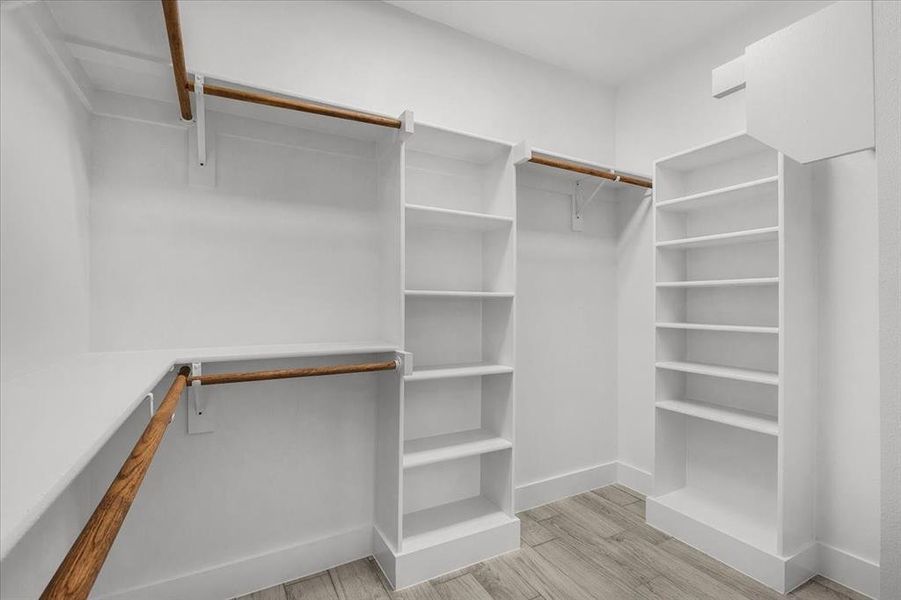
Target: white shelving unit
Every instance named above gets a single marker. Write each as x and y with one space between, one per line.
448 467
735 355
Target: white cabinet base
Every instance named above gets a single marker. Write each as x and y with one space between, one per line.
409 568
782 573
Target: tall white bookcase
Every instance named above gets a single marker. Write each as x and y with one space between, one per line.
736 353
446 499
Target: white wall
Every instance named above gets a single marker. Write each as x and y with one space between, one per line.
43 206
380 58
566 332
887 48
848 400
286 248
290 462
671 109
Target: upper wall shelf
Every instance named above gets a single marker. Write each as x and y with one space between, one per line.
446 218
765 187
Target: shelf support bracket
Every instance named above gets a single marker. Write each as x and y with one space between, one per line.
404 363
201 120
199 420
202 169
580 202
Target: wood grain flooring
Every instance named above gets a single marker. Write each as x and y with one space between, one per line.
594 546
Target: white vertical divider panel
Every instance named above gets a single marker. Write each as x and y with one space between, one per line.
797 359
389 413
457 508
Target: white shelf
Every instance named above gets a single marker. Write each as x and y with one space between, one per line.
754 523
736 373
762 234
447 522
725 328
725 149
451 446
766 187
752 281
450 371
455 294
445 218
720 414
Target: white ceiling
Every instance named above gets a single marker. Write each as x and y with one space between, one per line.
606 40
121 45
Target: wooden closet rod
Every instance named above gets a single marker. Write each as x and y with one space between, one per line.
75 576
218 378
177 52
183 85
296 104
557 163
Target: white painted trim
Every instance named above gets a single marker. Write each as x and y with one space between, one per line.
536 493
411 568
765 567
254 573
634 478
855 572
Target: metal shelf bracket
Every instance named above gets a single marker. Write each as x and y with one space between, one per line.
580 202
199 418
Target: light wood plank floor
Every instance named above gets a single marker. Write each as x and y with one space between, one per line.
594 546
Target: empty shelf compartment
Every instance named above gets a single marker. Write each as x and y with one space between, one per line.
451 521
752 522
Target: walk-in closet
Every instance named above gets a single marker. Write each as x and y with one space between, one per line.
446 300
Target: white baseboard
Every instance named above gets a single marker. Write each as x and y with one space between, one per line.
254 573
536 493
257 572
859 574
634 478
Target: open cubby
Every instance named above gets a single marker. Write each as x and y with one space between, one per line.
458 331
754 306
722 475
453 499
452 258
450 170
